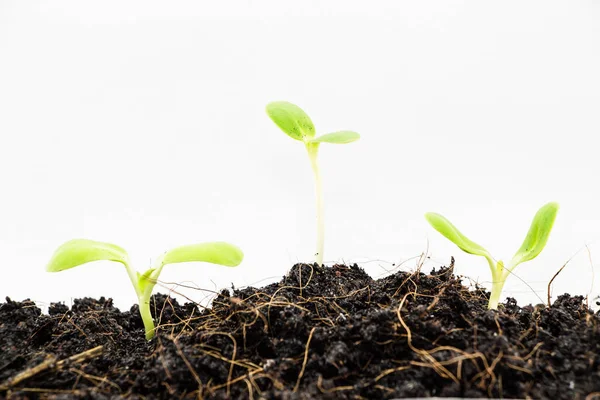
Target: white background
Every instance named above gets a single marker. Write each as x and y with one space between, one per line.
142 123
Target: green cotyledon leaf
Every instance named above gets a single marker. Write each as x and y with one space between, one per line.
291 119
341 137
221 253
445 227
81 251
538 234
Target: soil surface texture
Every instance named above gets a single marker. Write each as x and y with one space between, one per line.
319 333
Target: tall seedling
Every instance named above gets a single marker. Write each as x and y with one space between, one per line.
294 122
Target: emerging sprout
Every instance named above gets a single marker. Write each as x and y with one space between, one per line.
532 246
297 124
81 251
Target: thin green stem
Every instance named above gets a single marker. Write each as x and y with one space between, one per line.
313 151
498 279
497 286
144 305
143 290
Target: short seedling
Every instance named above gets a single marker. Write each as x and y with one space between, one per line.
81 251
297 124
532 246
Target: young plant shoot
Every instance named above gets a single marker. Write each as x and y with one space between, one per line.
294 122
534 243
81 251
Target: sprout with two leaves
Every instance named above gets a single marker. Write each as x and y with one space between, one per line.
81 251
294 122
534 243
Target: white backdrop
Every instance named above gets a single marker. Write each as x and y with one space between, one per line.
142 123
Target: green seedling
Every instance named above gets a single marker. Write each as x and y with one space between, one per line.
81 251
294 122
534 243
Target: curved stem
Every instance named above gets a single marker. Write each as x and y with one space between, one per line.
143 301
144 305
498 280
497 286
146 286
313 151
143 289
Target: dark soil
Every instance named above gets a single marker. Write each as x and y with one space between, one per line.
320 333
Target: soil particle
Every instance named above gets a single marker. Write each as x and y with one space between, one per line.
319 333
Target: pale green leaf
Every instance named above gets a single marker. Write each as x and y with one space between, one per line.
445 227
81 251
291 119
214 252
538 234
341 137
